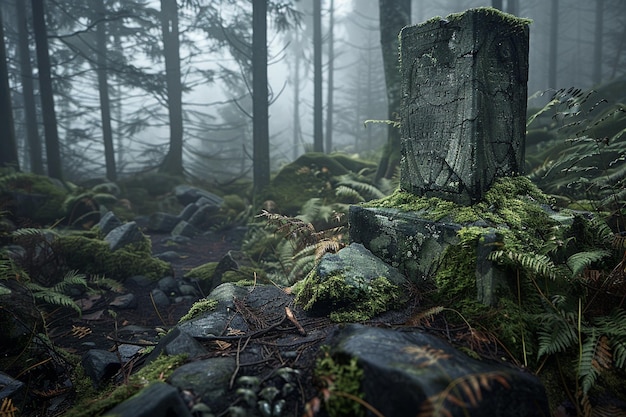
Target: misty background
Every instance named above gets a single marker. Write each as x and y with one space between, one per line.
573 43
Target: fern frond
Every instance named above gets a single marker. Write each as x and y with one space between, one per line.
556 334
618 343
349 193
54 298
364 189
285 254
327 246
614 326
578 262
28 232
302 266
594 356
72 278
534 263
426 315
311 209
108 283
464 392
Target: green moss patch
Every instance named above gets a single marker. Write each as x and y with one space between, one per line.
159 370
46 202
309 177
341 375
348 302
93 256
198 308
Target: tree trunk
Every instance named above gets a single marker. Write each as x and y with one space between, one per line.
8 147
103 89
297 128
260 110
394 15
554 41
53 151
26 77
597 43
173 162
328 145
318 134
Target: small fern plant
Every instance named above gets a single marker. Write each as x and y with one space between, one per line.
303 246
57 294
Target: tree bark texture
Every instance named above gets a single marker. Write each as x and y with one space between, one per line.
8 145
554 43
394 15
173 162
328 144
26 78
318 123
53 150
103 90
260 104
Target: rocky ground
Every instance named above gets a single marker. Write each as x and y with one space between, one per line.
96 328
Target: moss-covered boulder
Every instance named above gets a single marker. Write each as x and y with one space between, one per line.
351 285
94 256
35 197
309 177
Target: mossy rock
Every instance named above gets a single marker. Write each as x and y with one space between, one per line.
245 273
308 177
93 256
203 275
344 302
199 307
36 197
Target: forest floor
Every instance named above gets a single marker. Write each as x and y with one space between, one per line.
98 329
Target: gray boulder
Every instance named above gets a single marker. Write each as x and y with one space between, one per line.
412 373
208 379
124 235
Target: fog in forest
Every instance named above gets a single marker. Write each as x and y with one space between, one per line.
119 46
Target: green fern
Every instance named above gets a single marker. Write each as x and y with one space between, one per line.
108 283
54 295
534 263
349 193
365 190
580 261
55 298
557 332
315 209
588 365
614 326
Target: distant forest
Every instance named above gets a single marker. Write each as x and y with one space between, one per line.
227 89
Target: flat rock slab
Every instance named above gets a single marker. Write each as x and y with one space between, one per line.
402 238
408 373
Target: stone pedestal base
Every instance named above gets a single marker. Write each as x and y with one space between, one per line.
414 245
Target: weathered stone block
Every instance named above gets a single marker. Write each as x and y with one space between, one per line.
402 238
415 245
464 103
